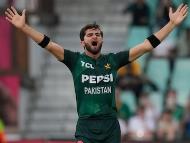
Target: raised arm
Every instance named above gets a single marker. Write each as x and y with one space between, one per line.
19 22
175 19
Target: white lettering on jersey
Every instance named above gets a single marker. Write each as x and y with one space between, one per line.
97 79
97 90
87 65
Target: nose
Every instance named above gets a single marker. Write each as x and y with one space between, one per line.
94 36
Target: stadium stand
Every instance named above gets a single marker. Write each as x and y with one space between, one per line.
158 71
180 79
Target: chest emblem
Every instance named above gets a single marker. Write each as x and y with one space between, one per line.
107 66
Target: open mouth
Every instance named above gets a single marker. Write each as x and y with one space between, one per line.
94 43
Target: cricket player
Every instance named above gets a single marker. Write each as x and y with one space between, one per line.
94 73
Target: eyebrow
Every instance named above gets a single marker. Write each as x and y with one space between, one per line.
93 33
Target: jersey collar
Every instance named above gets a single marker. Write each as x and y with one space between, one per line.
90 58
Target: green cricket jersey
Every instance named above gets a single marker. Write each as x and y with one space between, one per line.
94 82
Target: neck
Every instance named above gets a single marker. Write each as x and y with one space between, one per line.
94 56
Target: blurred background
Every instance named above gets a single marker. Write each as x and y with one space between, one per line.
37 99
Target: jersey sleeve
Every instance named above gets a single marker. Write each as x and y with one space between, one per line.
70 58
121 58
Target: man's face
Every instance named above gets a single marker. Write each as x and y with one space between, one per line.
92 41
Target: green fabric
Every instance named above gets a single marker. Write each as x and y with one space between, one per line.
178 113
98 131
1 126
94 82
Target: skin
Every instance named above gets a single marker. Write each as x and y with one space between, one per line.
18 21
92 35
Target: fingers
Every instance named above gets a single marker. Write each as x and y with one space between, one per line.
9 16
23 12
184 10
185 15
170 10
10 20
180 7
10 12
14 10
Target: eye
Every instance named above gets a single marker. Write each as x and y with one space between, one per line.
89 35
98 34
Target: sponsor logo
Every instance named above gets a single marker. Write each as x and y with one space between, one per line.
97 79
87 65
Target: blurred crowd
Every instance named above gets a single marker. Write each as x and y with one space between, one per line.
149 122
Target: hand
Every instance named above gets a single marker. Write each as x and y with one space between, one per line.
13 17
179 15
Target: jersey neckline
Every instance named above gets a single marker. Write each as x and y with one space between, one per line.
90 58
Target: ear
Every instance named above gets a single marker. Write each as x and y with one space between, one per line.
82 43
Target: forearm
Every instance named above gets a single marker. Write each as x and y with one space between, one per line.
160 35
52 47
32 33
164 32
147 46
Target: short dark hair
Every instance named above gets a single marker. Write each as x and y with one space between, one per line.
89 26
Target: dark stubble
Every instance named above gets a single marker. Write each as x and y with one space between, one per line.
93 51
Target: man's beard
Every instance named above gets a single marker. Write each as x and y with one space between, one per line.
93 51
